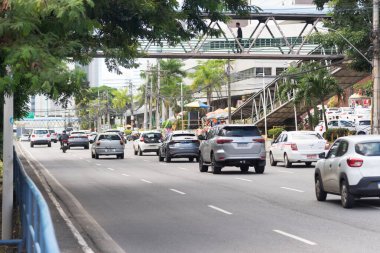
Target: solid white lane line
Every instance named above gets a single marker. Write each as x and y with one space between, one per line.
243 179
219 209
182 168
174 190
291 189
126 175
110 169
146 181
295 237
284 171
98 164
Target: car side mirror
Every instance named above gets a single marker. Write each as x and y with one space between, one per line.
91 141
322 155
201 137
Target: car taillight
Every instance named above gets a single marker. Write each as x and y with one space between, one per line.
70 137
293 146
98 143
121 142
195 141
327 146
172 142
142 139
354 162
222 141
258 140
33 135
48 135
320 128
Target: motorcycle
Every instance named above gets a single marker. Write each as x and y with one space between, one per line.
65 145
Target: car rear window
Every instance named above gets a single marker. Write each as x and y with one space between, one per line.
184 137
364 123
306 136
110 137
243 131
51 131
152 135
41 131
368 148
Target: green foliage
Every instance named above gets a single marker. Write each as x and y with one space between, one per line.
128 131
367 88
334 133
351 20
275 132
167 124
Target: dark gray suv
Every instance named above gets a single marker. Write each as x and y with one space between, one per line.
232 145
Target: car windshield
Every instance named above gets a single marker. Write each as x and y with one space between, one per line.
109 137
51 131
364 123
152 135
41 131
78 133
241 131
306 136
368 148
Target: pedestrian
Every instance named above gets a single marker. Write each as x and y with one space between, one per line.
239 38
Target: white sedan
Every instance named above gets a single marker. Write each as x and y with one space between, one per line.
297 147
350 169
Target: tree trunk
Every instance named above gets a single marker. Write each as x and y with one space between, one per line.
324 113
209 99
311 127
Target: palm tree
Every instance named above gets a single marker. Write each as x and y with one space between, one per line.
119 101
209 76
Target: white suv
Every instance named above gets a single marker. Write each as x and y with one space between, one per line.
149 141
350 169
40 137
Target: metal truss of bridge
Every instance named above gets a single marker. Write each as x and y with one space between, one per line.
254 46
281 112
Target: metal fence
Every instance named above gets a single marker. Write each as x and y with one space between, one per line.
38 234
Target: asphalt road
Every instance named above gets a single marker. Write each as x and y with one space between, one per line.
150 206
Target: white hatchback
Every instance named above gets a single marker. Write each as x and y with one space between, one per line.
297 147
350 169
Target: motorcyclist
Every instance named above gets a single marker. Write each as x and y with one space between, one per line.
64 137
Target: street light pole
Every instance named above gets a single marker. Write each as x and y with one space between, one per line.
146 99
131 94
182 104
376 70
229 90
264 106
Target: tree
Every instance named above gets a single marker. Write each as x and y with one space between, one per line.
352 20
119 101
39 38
209 76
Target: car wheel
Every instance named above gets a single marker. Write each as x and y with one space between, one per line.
271 160
319 192
157 153
191 159
244 168
87 147
168 159
122 156
135 151
361 133
160 158
140 152
286 161
214 166
31 144
308 164
49 144
202 167
92 155
259 169
96 156
347 199
55 141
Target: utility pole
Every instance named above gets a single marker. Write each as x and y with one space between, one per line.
265 106
98 119
108 113
131 94
146 99
7 204
158 95
229 90
151 104
376 70
182 104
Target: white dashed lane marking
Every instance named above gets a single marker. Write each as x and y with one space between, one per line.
295 237
174 190
110 169
291 189
220 209
243 179
146 181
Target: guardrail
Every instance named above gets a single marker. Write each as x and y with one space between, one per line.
37 227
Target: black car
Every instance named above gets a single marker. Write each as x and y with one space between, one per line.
179 144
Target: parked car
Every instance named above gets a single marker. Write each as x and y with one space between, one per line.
232 145
40 137
53 135
363 127
78 139
297 147
179 144
25 137
149 141
350 169
321 129
107 144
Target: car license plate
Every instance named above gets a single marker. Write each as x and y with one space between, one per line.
311 156
242 144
